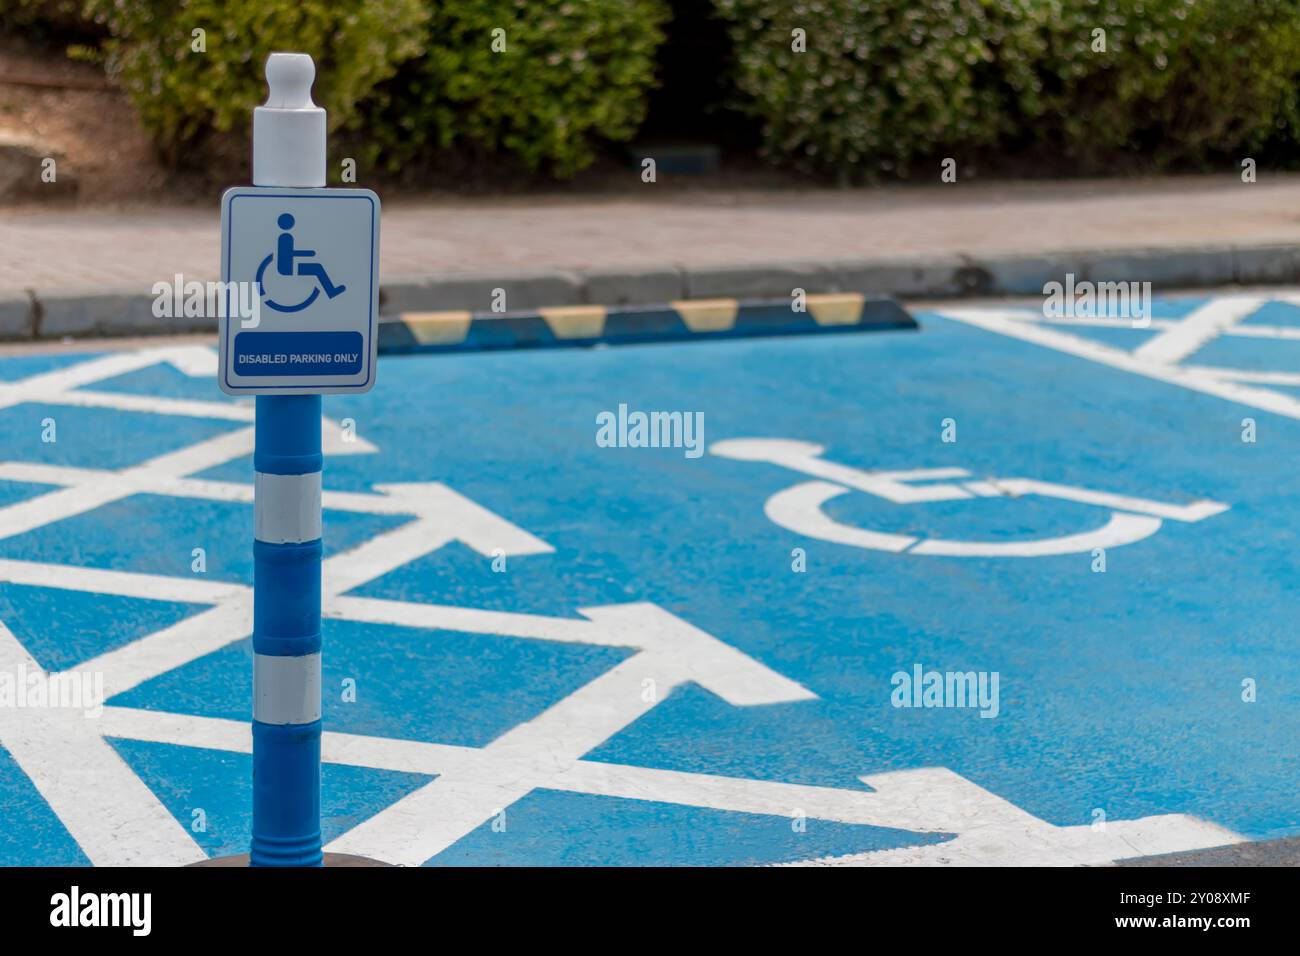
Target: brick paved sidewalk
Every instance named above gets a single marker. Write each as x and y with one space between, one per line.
676 242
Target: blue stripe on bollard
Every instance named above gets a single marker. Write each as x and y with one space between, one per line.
286 623
287 435
286 620
286 795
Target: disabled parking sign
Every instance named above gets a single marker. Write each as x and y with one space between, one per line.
312 258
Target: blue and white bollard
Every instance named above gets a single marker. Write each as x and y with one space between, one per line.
288 353
286 632
288 151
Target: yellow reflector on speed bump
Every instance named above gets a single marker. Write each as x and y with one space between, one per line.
575 321
438 328
707 315
843 309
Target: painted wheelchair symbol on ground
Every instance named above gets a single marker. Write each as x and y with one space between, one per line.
286 264
800 507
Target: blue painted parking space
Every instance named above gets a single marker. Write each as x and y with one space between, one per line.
550 639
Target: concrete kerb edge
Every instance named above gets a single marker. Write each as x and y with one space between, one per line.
39 315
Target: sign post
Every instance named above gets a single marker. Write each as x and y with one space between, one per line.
311 255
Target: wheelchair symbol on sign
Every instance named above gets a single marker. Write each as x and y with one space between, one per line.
799 508
285 257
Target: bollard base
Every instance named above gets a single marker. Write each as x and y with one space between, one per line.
331 859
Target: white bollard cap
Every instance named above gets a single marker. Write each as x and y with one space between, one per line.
289 129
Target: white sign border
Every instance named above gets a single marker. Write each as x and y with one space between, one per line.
224 330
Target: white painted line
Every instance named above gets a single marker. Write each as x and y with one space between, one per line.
1263 332
1198 327
209 453
1252 331
82 373
715 665
799 509
428 820
114 818
994 320
475 525
1120 529
77 499
162 651
196 361
156 587
335 440
1097 322
1197 511
423 498
1246 375
231 620
988 829
467 620
24 516
1020 846
155 405
43 474
805 457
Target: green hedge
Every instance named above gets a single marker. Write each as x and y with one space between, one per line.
1183 81
886 83
182 94
571 74
881 83
405 77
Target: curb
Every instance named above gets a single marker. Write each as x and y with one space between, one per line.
32 314
1284 851
918 277
588 325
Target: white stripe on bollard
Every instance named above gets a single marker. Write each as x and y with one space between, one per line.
286 508
286 690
